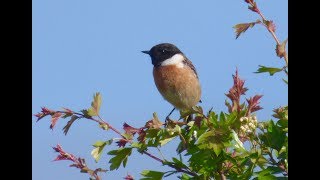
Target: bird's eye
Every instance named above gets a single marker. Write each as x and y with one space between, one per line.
164 51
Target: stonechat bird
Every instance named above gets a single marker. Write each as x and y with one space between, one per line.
175 76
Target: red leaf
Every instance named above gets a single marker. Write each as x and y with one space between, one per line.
68 110
45 110
236 91
122 142
154 123
271 26
281 49
129 129
128 177
254 7
253 104
243 27
142 136
60 157
197 121
54 119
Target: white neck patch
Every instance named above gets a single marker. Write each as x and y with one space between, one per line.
177 60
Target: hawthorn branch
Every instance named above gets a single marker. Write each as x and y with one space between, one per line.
272 32
101 121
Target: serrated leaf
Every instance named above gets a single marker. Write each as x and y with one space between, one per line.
165 141
243 27
281 48
275 137
155 175
67 127
97 151
270 70
216 140
121 155
178 163
102 143
208 140
54 118
136 145
95 105
154 123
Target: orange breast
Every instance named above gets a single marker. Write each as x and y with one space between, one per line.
179 86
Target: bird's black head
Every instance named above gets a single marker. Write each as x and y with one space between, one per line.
161 52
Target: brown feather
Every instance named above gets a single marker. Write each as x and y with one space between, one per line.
179 86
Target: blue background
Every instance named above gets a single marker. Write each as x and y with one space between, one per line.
81 47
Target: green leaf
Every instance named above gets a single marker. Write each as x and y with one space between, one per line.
210 140
102 143
236 143
270 70
213 118
99 146
95 105
185 177
179 164
217 148
286 81
96 153
152 175
187 112
104 126
190 124
121 156
67 127
268 173
243 27
222 117
165 141
274 137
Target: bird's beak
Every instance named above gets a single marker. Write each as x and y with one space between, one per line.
146 52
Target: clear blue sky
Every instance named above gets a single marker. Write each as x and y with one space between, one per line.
81 47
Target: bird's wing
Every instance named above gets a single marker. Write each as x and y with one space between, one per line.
189 63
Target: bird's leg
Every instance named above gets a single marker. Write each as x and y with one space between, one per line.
167 118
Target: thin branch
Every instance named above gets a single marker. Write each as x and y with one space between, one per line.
161 153
176 168
270 30
101 121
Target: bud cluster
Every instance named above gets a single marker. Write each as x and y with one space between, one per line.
248 124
